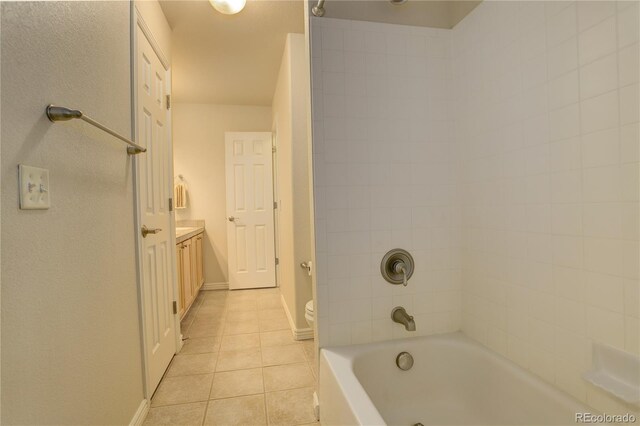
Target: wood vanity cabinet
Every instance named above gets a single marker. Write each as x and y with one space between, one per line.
199 261
181 304
190 271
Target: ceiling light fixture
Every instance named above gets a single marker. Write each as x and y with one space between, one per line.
228 7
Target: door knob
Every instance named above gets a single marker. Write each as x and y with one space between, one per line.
146 231
232 219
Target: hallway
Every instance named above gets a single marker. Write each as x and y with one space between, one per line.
239 365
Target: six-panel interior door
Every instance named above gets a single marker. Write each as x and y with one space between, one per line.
250 228
154 182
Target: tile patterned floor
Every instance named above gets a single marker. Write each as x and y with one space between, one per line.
239 366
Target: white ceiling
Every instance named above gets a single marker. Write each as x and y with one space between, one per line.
229 59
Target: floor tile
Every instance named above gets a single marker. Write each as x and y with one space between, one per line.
279 355
182 414
246 338
189 317
270 301
215 294
200 345
314 368
243 296
240 341
241 327
273 324
211 314
243 316
290 407
242 306
237 360
277 338
202 328
272 313
244 410
289 376
237 383
309 349
182 389
183 365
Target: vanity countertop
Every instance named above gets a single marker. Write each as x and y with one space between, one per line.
185 232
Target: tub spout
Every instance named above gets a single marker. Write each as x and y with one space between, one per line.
400 315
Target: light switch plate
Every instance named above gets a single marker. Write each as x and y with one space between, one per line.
34 188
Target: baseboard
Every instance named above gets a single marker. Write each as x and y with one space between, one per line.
303 333
298 333
215 286
141 414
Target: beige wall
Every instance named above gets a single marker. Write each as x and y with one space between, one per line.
70 328
198 144
290 105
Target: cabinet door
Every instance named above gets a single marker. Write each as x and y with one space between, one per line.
195 285
199 262
181 302
187 277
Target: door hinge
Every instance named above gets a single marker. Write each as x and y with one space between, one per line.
175 307
277 261
170 204
275 204
273 149
168 101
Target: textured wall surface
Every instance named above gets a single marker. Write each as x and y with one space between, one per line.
70 328
547 117
384 177
198 148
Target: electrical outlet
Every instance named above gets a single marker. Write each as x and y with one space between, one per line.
34 188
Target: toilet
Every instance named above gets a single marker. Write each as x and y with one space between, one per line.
308 313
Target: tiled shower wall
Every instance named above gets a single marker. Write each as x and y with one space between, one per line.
385 177
546 114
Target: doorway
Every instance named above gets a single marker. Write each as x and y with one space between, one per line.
250 210
236 80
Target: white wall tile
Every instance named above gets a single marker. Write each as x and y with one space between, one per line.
606 327
632 330
590 169
562 26
603 255
601 148
605 291
569 283
630 143
562 58
628 65
364 105
594 12
600 112
597 41
565 155
564 90
599 76
520 144
629 108
628 25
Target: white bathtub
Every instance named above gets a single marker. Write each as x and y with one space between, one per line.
454 381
